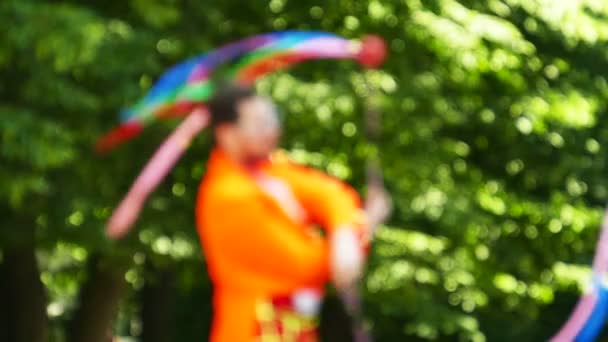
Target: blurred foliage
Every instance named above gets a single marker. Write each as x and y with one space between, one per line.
492 149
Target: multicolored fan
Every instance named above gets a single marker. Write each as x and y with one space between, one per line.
188 84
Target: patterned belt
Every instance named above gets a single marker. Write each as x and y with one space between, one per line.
289 318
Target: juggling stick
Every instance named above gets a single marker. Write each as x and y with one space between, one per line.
371 54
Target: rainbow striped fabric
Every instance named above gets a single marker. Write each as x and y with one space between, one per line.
188 84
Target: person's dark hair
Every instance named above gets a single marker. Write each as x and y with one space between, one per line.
223 105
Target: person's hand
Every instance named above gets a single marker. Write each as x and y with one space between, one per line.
346 257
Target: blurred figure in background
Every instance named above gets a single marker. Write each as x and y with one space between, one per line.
256 217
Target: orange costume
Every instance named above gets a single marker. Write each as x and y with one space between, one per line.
255 226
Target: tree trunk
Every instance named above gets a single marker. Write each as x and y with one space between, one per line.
3 305
157 304
24 295
99 300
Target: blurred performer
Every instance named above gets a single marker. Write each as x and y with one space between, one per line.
256 217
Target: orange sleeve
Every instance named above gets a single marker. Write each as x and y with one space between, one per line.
329 201
251 236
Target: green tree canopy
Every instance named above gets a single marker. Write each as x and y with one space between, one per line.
492 135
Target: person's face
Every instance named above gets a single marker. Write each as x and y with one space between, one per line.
258 128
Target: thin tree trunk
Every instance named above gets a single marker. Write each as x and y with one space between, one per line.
3 305
157 304
99 301
24 295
